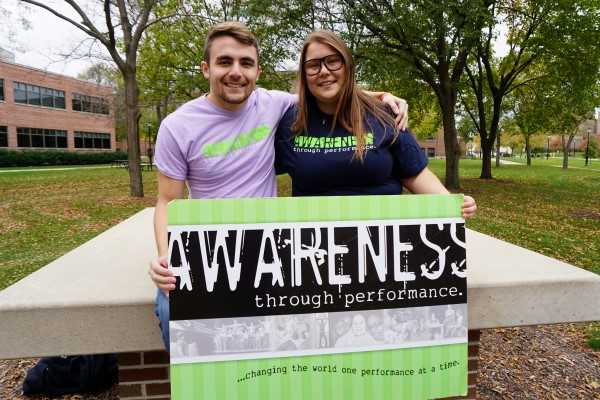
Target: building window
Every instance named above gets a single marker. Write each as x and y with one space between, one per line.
33 95
1 89
20 92
47 97
46 138
59 99
76 103
3 136
91 104
38 96
92 140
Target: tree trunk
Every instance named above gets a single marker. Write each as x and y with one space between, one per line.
498 149
528 150
136 187
486 158
450 143
486 165
565 147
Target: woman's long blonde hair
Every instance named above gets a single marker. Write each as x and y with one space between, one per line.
353 103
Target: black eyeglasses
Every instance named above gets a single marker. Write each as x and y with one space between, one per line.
333 62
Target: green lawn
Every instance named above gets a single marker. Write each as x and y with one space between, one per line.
46 213
542 208
54 167
577 161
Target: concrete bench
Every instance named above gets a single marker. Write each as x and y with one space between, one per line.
125 164
98 299
119 163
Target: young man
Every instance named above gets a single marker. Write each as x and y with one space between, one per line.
221 144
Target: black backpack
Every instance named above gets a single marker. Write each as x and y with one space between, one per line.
56 376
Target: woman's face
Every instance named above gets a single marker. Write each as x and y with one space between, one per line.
326 85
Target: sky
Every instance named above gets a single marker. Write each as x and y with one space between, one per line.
44 43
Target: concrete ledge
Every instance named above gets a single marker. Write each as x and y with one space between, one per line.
95 299
98 298
512 286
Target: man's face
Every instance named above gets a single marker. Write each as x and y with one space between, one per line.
232 72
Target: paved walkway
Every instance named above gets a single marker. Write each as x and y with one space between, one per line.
507 162
583 168
510 162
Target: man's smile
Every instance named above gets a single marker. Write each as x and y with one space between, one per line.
234 85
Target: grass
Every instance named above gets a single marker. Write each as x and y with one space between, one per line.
47 213
542 208
53 167
593 334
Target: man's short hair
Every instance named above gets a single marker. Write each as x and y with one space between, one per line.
236 30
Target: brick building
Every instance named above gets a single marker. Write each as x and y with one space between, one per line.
43 110
434 147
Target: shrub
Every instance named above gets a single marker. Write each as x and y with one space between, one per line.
593 336
28 158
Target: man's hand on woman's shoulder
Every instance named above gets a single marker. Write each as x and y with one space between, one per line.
399 108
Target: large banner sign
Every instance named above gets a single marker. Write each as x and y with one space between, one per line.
318 298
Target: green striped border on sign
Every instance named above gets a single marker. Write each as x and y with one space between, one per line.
225 380
306 209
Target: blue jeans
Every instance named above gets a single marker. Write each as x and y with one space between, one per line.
161 309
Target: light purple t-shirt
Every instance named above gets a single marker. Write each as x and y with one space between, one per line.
223 153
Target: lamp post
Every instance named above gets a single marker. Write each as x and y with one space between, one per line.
587 148
149 150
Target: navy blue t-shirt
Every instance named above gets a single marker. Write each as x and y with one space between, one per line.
320 161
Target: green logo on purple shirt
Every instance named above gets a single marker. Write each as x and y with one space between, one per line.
241 141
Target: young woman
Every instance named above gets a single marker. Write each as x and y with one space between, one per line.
340 141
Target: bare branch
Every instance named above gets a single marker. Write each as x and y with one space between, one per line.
109 24
85 29
143 23
125 24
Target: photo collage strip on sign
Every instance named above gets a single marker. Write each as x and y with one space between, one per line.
330 293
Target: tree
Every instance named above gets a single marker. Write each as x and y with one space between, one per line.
131 18
537 29
9 34
490 78
378 72
529 113
573 91
434 39
169 63
102 73
512 139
